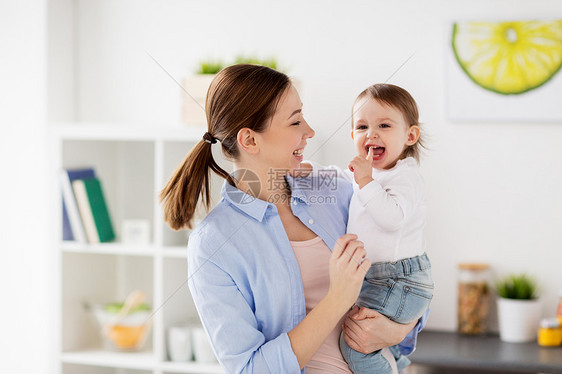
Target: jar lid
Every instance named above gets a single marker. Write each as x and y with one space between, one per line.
550 323
473 266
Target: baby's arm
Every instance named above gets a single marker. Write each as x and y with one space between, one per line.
391 204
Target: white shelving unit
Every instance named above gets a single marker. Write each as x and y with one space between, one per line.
133 164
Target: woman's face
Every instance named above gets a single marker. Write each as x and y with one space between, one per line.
281 146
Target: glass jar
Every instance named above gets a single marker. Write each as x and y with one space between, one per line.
559 312
473 298
550 334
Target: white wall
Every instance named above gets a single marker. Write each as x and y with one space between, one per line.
493 188
25 278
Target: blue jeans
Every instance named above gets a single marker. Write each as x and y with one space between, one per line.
402 292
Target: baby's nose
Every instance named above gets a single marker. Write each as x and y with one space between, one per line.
373 134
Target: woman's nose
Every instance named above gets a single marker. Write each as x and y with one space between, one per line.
309 133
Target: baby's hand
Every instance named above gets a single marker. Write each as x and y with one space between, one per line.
362 168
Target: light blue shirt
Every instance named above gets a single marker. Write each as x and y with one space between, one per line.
244 277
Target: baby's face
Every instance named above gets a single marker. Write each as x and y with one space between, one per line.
381 127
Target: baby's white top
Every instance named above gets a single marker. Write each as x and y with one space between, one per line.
388 214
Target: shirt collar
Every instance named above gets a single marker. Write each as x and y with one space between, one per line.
248 204
301 188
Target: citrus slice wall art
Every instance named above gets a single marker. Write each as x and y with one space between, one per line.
505 71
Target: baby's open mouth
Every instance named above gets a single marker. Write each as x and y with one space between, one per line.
378 152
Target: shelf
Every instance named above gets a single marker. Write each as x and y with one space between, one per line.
124 249
134 162
129 132
98 357
191 367
108 249
135 360
175 252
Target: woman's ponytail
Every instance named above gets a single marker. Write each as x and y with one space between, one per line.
190 180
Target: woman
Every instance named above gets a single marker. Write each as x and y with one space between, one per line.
250 256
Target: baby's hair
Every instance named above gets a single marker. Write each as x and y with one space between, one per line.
401 100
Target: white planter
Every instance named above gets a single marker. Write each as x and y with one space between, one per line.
202 349
518 320
193 102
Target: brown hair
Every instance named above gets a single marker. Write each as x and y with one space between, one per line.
240 96
401 100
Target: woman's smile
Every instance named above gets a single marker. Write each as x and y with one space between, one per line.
299 154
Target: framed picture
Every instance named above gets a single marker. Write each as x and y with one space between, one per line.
505 71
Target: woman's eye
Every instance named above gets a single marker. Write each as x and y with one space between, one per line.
296 123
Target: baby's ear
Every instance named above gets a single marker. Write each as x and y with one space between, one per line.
413 135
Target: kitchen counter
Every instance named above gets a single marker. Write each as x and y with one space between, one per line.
449 350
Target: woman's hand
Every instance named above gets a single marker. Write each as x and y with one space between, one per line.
346 277
366 330
348 267
362 169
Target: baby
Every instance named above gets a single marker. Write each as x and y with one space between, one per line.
387 212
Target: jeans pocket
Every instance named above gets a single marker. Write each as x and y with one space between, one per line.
375 293
420 280
414 302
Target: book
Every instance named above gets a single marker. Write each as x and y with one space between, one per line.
72 224
66 229
93 210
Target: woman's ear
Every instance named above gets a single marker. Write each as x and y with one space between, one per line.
246 140
413 135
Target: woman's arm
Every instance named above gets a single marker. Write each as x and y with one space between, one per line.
231 323
366 330
234 329
347 270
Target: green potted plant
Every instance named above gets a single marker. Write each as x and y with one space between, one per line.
210 67
270 63
196 87
519 309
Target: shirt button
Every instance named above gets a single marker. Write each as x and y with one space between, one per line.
311 221
294 202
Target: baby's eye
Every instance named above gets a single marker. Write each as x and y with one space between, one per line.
360 127
383 125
